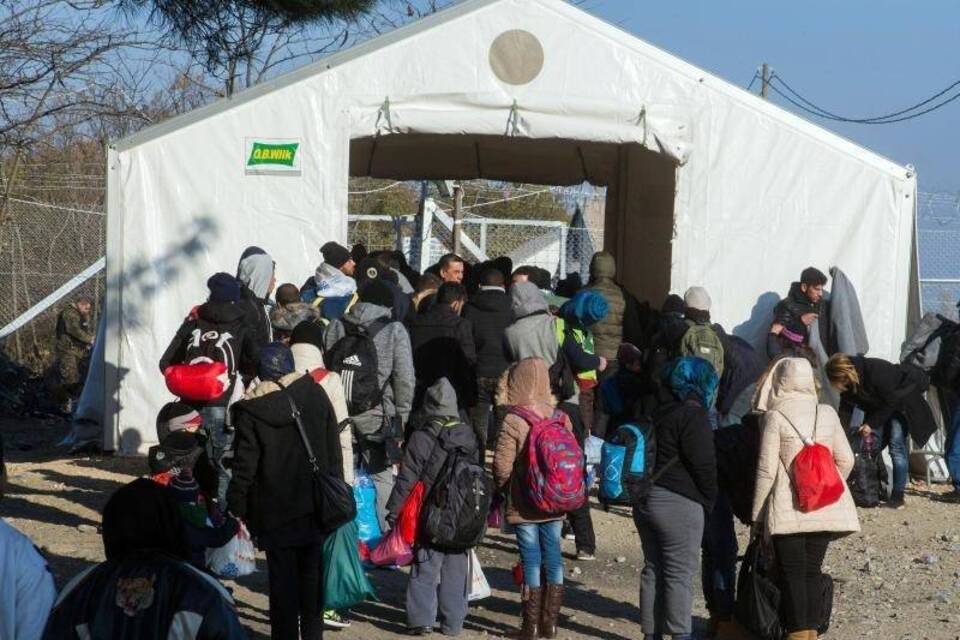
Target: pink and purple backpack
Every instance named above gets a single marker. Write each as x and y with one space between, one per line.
554 482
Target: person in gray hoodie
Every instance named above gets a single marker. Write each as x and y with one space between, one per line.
395 375
533 334
437 576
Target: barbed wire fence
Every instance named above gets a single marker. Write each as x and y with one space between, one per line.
44 244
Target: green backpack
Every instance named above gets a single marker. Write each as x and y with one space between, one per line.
701 341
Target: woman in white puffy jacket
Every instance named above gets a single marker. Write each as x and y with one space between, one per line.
793 414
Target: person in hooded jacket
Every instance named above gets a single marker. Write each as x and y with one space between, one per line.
671 517
395 375
527 384
272 487
332 289
437 575
793 416
146 589
443 347
792 317
891 397
490 313
373 268
225 313
257 275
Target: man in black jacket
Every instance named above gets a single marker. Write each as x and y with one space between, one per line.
257 275
490 313
272 488
217 328
443 347
790 330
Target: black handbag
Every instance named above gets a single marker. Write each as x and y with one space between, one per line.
758 597
333 501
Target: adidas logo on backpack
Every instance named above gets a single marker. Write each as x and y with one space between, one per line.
353 361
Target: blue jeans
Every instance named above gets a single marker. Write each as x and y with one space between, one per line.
219 446
719 555
540 547
895 438
952 449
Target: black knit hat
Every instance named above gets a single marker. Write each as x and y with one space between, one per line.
223 288
335 255
177 416
307 332
813 276
377 292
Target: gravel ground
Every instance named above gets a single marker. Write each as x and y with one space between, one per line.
898 579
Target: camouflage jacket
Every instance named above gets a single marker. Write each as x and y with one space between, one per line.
73 330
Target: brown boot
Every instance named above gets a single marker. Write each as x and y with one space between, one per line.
550 614
730 629
798 635
531 603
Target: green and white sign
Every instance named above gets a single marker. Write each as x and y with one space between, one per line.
272 156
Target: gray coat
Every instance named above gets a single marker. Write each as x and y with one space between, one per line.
394 363
533 334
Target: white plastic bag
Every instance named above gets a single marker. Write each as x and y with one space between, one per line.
477 586
235 559
592 447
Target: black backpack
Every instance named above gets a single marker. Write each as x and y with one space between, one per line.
563 382
354 357
454 514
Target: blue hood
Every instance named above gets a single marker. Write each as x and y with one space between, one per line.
696 376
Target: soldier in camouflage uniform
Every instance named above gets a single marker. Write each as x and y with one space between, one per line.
74 340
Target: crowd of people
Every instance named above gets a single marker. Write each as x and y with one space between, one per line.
416 380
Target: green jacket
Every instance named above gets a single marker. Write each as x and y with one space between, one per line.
73 330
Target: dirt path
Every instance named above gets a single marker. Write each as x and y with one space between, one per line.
898 579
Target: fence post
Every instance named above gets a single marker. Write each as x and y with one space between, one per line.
483 237
563 252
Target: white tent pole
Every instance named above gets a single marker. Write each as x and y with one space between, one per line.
54 297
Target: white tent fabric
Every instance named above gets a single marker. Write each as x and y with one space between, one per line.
752 194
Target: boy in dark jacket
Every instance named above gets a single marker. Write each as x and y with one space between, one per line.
219 328
490 313
790 331
440 435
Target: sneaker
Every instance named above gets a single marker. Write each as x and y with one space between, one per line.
585 556
420 631
334 620
568 533
895 502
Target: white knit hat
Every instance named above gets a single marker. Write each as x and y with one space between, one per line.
697 298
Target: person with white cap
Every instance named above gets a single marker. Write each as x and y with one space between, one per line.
700 339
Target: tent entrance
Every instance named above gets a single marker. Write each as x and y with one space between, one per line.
641 185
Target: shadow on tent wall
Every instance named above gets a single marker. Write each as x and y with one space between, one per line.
641 186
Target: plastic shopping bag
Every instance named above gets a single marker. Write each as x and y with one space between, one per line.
365 495
344 582
409 519
495 517
592 448
393 550
235 559
477 586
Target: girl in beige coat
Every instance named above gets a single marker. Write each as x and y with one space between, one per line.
788 398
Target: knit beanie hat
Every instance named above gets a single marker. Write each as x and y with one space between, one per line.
629 355
223 288
697 298
377 292
177 416
587 306
307 333
276 361
813 276
336 255
673 304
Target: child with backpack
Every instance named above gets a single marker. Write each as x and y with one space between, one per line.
441 454
538 466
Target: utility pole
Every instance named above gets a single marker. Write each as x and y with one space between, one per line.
458 219
765 81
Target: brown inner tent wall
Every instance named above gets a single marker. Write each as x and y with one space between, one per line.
639 221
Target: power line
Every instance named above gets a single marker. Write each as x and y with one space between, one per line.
753 81
812 108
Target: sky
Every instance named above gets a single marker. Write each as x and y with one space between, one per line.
855 58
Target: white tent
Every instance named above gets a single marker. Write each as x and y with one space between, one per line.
707 184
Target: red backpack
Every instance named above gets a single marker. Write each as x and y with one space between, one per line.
554 480
816 481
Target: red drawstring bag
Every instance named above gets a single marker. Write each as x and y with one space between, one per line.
816 481
198 382
392 551
409 519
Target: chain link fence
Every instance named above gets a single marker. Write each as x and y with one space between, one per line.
42 247
938 224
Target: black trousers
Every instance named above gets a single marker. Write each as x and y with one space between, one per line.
580 520
799 559
484 428
296 592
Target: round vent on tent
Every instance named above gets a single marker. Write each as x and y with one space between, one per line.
516 57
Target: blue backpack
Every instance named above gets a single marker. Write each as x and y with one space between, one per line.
626 461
